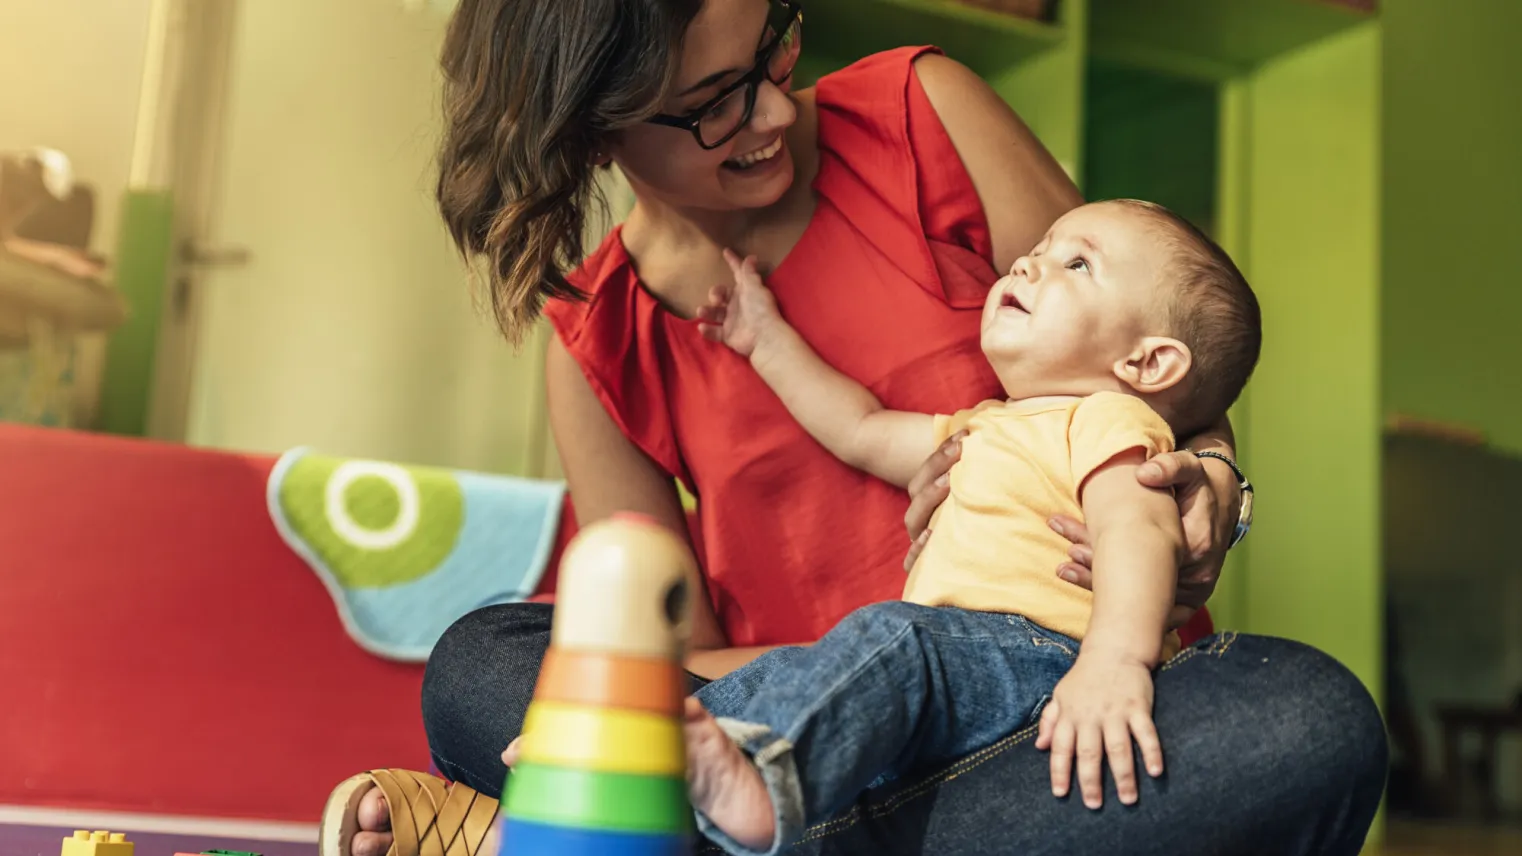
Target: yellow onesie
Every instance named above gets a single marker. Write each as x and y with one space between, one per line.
990 547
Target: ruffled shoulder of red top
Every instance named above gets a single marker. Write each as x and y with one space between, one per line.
888 164
615 335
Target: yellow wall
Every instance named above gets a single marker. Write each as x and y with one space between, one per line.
353 327
69 77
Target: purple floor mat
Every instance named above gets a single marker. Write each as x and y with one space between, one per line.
17 840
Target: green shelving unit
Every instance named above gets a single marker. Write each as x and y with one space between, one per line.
1035 65
986 41
1218 39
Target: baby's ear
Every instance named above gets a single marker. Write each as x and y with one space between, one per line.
1156 365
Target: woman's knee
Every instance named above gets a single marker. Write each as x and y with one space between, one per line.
1306 710
492 654
1339 714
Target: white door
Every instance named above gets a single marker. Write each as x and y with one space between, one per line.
318 301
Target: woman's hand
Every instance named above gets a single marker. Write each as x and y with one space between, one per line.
927 490
1209 502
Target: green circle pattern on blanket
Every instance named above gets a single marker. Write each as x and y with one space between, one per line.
374 524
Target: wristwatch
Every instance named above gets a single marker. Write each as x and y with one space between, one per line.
1244 519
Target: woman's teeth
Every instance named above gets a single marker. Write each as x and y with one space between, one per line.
750 159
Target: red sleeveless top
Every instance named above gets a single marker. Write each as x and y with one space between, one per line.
887 284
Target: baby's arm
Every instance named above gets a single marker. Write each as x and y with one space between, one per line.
1106 699
840 413
1137 540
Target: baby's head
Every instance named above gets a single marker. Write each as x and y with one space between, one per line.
1126 296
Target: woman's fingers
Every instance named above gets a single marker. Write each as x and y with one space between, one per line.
510 754
1171 470
1076 574
931 485
1082 554
922 506
938 464
916 547
1069 528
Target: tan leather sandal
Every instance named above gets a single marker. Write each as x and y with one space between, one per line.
429 817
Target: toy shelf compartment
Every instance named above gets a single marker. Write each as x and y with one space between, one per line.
1212 39
837 32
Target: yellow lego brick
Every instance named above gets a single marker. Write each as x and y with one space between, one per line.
85 843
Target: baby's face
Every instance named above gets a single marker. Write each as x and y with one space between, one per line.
1082 299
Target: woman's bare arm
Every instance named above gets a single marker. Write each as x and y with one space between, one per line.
607 474
1022 187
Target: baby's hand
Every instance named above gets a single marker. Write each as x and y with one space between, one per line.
739 316
1095 711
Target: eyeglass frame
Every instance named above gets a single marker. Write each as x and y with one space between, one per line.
692 121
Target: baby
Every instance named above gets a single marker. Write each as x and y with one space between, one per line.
1124 328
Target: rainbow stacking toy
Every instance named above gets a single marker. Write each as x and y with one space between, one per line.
602 766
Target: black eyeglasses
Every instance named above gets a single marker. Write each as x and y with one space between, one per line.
722 116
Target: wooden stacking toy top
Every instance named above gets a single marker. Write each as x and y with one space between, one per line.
602 765
624 589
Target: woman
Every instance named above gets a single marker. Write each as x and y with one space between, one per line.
882 204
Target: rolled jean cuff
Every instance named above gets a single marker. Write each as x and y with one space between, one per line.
773 757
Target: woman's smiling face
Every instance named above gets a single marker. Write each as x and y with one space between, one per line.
754 168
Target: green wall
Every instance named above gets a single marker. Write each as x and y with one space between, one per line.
1047 88
1452 213
1153 137
1312 232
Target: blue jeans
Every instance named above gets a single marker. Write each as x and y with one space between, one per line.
895 688
1272 748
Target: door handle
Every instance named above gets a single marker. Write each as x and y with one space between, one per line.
192 253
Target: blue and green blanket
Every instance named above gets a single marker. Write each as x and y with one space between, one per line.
407 550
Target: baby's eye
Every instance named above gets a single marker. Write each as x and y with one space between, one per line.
1079 264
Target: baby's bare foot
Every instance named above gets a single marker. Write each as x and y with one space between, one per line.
723 784
374 837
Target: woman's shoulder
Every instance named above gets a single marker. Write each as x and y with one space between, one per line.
872 83
887 163
604 281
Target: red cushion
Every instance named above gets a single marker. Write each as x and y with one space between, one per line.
164 650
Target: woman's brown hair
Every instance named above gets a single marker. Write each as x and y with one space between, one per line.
532 89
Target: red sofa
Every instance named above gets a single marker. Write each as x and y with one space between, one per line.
165 652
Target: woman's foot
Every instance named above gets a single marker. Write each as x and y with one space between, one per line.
724 785
434 817
374 835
